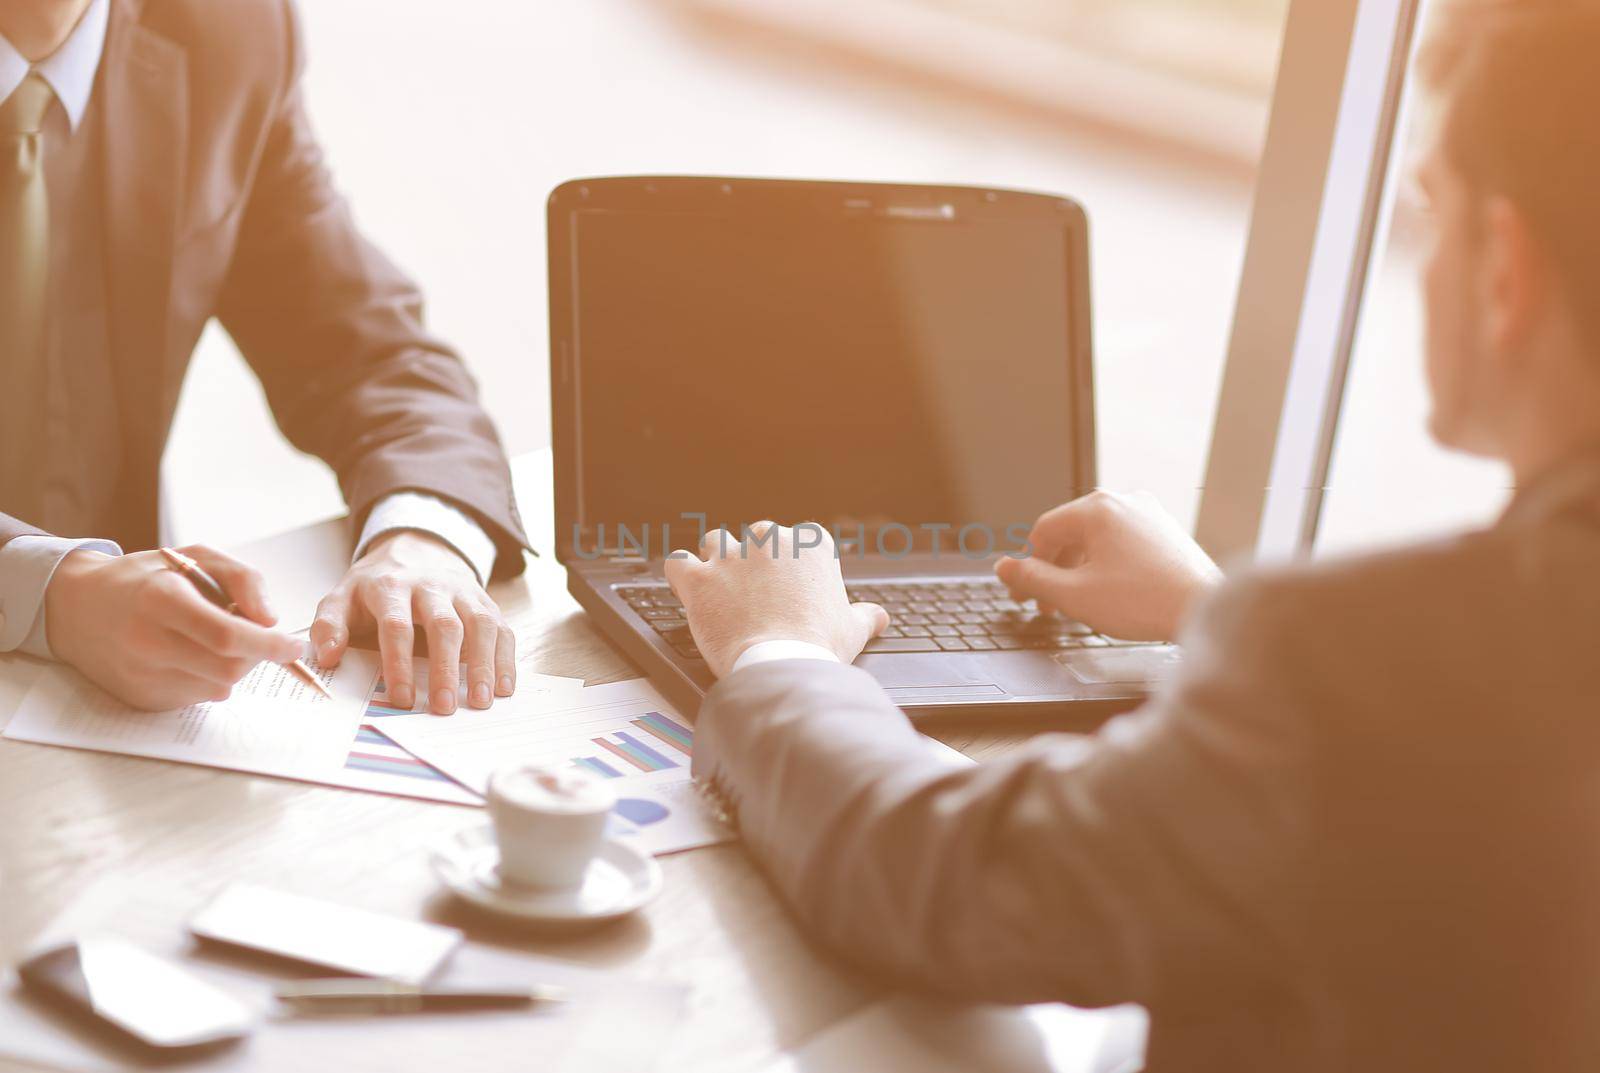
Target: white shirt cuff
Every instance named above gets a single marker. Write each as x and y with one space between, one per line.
421 512
767 651
27 563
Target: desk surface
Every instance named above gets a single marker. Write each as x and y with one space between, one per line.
69 817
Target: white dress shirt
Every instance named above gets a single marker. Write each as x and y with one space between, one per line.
70 69
28 563
767 651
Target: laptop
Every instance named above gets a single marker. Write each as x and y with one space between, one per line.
907 365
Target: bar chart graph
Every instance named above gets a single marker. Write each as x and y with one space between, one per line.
660 744
625 732
377 764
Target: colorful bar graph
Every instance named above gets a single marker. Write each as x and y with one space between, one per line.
670 731
641 754
374 752
378 706
631 749
657 761
598 766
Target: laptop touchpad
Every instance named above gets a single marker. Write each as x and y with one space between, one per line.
1121 666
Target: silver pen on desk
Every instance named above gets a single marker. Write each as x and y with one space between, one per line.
356 996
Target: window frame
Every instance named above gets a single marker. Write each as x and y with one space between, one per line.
1325 187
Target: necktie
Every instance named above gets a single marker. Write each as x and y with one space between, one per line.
24 270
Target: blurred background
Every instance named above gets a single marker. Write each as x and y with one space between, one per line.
448 124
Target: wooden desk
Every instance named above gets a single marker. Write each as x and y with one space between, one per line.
69 817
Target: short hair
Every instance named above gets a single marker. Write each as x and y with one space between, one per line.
1516 82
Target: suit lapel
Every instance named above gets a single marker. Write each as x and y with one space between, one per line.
146 110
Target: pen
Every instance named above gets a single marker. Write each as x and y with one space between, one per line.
386 996
218 595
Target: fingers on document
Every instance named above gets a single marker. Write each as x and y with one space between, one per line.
389 604
483 625
505 661
445 634
242 582
330 631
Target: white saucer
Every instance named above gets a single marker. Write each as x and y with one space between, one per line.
620 879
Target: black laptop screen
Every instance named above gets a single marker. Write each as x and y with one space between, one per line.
847 370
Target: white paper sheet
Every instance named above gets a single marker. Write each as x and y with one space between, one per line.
625 732
17 675
273 724
908 1035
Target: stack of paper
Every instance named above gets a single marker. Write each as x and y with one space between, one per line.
625 732
271 725
274 725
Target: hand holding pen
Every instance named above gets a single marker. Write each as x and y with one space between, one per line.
142 631
218 596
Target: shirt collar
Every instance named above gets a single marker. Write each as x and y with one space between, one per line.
70 69
1567 484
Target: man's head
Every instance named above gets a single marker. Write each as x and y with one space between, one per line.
1512 173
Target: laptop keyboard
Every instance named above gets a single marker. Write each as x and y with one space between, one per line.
924 616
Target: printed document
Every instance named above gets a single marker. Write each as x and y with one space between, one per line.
273 724
377 764
625 732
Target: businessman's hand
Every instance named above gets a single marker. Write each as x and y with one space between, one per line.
143 633
1116 562
790 588
409 579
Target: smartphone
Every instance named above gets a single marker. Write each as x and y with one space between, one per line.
324 934
145 996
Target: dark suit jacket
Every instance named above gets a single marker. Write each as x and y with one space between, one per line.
218 203
1361 833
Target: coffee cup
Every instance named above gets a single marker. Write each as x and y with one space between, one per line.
548 822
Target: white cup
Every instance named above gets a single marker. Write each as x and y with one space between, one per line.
548 822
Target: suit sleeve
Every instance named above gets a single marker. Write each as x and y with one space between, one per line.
334 331
27 563
1087 870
